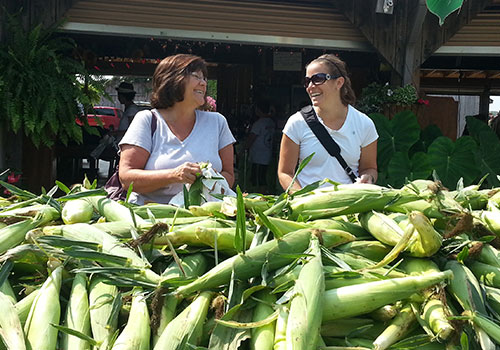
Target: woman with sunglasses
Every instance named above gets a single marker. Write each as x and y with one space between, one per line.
332 97
159 154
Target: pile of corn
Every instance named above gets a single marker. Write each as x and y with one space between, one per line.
341 267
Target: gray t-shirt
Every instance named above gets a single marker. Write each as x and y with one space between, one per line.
128 114
209 135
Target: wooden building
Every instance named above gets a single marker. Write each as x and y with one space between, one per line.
261 46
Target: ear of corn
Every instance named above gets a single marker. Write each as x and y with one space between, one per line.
7 291
304 321
186 328
77 210
77 315
45 310
373 250
363 298
113 211
263 337
12 235
401 325
136 334
101 296
11 331
346 199
161 211
489 275
489 255
493 297
280 331
23 306
275 253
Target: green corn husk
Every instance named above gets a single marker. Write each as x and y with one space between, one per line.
385 313
489 275
101 297
186 328
304 321
220 238
345 326
373 250
424 242
263 337
160 211
113 211
77 315
486 324
465 288
358 262
187 234
136 334
11 331
491 219
46 309
400 326
346 199
45 213
108 244
193 266
429 209
434 312
23 306
493 298
6 290
77 210
274 253
280 330
206 209
360 299
489 255
12 235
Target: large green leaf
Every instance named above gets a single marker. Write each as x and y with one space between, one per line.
396 135
402 168
488 153
427 137
454 160
443 8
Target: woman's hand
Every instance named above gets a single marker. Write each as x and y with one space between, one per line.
365 179
187 172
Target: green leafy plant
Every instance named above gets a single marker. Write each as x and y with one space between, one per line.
405 152
375 97
43 85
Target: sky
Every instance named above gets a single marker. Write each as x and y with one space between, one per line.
495 106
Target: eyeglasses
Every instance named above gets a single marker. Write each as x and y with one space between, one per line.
200 78
318 79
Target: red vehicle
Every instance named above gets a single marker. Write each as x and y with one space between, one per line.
104 116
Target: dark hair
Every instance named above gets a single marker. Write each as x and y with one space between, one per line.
129 96
170 76
338 67
263 105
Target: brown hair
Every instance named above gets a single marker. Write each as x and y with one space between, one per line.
169 78
337 67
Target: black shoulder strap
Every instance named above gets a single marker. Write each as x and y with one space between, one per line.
326 140
153 123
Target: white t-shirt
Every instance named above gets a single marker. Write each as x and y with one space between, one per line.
262 147
357 131
209 135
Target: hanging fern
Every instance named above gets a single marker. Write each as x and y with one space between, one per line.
41 84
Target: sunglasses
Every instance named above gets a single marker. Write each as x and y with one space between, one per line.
319 78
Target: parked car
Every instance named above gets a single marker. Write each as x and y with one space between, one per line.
104 116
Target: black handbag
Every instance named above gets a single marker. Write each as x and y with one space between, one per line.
113 186
326 140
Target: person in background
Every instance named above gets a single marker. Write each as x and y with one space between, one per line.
260 144
159 160
126 94
329 89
